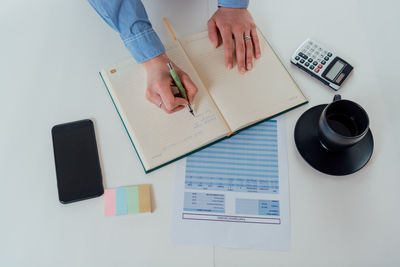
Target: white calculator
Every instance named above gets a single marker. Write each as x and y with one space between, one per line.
321 63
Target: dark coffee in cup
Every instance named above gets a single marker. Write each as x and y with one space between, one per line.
343 123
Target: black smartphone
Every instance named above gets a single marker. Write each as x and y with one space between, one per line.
77 161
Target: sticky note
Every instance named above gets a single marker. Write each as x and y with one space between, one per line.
144 198
109 202
133 199
127 200
120 201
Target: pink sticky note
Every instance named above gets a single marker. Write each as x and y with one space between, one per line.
109 202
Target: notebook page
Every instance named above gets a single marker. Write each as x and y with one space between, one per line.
243 99
159 137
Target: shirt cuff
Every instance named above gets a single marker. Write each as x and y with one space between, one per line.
144 45
234 3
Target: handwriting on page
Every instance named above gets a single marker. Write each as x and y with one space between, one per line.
201 120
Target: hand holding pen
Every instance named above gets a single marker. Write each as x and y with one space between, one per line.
178 83
159 81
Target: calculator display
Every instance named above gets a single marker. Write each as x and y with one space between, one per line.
334 71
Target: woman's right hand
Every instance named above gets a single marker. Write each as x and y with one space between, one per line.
159 83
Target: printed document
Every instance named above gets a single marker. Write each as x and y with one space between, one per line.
235 193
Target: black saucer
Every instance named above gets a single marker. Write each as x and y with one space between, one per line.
343 162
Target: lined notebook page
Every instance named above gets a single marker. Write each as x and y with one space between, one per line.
264 91
157 136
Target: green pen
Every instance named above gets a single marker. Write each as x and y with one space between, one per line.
178 83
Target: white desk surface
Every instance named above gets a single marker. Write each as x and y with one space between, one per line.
51 52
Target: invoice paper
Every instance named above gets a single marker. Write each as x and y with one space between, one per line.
235 192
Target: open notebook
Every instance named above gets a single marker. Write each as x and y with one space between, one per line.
226 102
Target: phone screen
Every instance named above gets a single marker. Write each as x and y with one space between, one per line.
77 161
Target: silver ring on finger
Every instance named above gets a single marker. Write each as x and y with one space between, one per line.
159 104
247 37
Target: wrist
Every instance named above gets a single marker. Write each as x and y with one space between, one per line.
160 60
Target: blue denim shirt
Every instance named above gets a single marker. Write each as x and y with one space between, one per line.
130 20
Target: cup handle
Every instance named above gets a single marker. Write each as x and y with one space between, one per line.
336 98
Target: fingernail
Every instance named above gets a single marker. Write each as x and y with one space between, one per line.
258 55
229 66
242 70
215 43
249 66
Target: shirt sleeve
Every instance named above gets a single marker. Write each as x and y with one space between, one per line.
234 3
130 20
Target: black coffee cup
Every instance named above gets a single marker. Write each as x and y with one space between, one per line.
342 124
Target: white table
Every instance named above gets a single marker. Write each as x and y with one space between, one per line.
51 52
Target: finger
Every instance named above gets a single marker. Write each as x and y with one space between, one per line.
157 101
191 89
153 97
213 32
171 111
256 42
227 41
180 101
249 52
170 102
240 52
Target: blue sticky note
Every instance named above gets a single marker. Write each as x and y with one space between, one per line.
121 201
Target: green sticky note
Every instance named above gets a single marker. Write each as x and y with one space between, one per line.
132 199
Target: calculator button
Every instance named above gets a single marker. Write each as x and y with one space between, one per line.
323 62
307 47
307 64
312 67
310 43
297 58
315 46
311 50
303 55
310 60
329 54
315 63
302 61
320 66
326 58
316 70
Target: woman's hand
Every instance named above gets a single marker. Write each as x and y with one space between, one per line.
237 23
159 83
